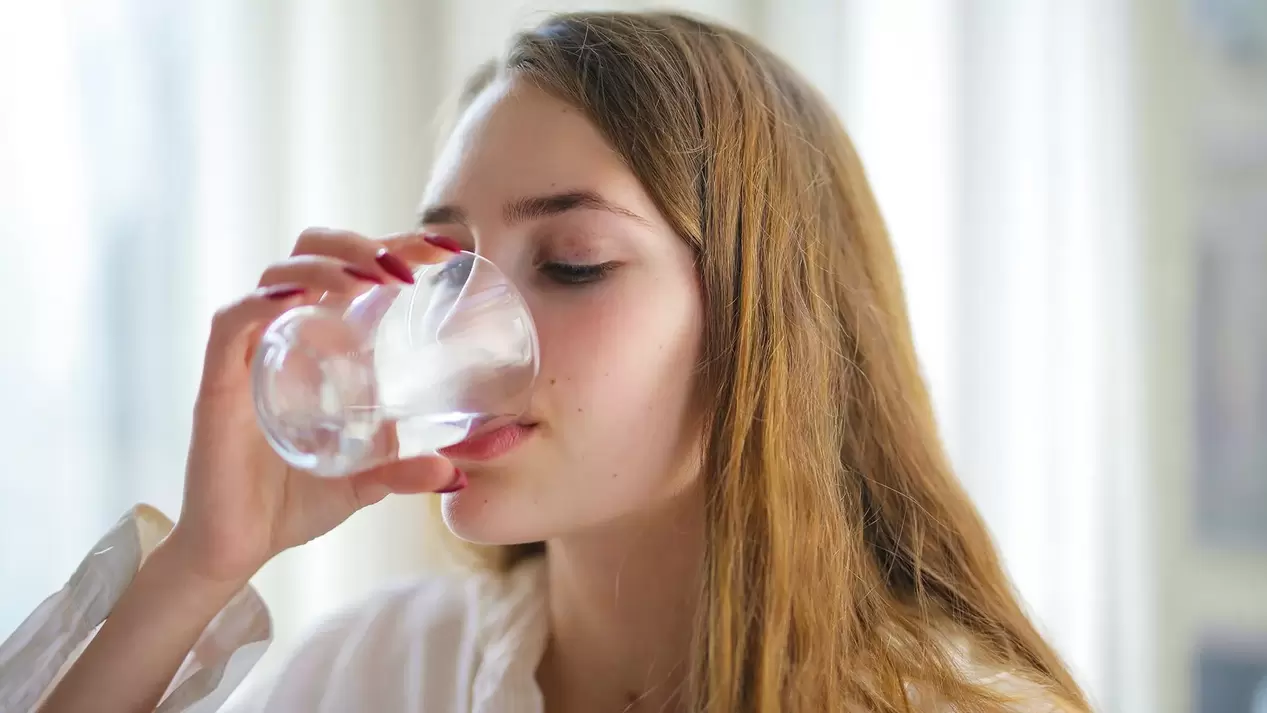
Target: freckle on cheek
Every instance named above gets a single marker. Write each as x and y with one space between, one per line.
553 381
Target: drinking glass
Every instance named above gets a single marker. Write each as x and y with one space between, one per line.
398 371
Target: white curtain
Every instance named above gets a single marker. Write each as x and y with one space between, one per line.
154 156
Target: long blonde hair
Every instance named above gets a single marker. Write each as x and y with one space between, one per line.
845 568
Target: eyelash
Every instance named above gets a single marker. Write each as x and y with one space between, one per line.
570 274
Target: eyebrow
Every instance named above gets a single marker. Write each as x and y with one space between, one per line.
533 208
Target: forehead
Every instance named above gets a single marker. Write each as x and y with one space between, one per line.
517 140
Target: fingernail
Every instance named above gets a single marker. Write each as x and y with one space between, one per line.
459 482
443 242
281 292
394 266
360 274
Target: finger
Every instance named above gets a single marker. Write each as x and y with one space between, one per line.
343 244
370 256
390 256
236 327
321 273
421 248
426 474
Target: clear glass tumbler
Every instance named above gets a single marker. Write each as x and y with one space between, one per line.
399 371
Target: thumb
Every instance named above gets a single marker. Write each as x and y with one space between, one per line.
424 474
419 474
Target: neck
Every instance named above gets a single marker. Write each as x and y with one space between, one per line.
623 605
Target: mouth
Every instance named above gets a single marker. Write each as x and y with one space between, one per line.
488 445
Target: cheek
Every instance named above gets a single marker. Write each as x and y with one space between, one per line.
617 368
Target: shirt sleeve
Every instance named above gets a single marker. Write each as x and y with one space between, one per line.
38 653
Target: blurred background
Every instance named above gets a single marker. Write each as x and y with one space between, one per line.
1077 190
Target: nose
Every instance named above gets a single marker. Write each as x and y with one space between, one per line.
509 252
512 255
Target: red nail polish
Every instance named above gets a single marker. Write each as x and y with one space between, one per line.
443 242
360 274
281 292
394 266
459 482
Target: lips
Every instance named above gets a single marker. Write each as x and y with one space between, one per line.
489 445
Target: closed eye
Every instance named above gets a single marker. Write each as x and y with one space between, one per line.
566 273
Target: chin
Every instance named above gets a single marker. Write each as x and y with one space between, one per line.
482 515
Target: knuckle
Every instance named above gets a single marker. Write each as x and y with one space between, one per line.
312 233
224 313
311 239
230 313
222 323
270 273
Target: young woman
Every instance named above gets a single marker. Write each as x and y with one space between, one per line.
728 493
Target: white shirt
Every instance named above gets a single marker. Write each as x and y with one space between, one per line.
439 645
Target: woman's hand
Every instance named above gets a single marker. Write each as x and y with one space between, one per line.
243 504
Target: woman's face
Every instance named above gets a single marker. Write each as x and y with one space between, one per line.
527 182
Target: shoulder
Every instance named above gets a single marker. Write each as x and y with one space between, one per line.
421 638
